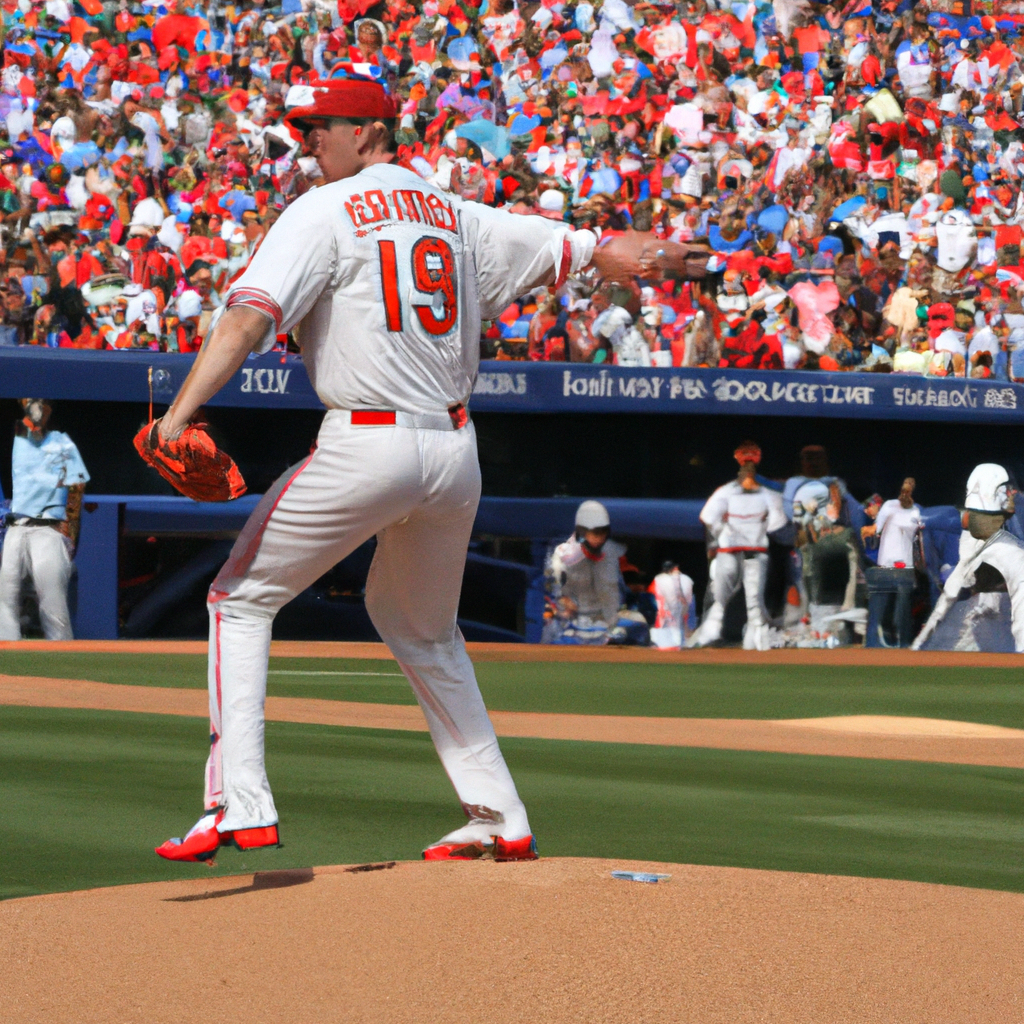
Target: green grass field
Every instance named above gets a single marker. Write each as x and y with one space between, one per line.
993 696
87 795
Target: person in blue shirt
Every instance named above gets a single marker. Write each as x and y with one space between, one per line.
49 479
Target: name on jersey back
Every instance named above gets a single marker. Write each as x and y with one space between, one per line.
373 210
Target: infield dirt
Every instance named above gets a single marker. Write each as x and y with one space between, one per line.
555 941
881 657
873 736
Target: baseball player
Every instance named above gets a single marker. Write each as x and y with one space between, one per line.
739 516
48 478
586 570
991 559
385 279
673 592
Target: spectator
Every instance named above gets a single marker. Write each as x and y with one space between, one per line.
855 180
897 525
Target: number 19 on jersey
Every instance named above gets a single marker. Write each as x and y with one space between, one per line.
433 275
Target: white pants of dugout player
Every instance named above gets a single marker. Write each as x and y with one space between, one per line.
38 552
733 569
417 490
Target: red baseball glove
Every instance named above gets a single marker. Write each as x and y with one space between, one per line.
192 464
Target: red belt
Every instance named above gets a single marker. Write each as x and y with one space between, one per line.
457 414
373 417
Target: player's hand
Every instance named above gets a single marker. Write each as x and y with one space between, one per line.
618 258
661 259
168 431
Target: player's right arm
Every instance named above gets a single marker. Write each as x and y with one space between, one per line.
514 254
712 515
569 552
883 516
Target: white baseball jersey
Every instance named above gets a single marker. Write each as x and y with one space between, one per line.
741 520
387 279
897 528
1004 553
673 592
592 582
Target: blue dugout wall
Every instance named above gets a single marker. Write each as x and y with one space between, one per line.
276 381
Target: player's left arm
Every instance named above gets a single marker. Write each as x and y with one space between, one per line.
712 515
238 333
296 262
853 562
74 476
73 513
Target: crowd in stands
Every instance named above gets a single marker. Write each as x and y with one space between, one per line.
829 185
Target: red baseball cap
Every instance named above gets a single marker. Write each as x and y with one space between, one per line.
343 97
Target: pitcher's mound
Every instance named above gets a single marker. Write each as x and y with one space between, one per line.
549 942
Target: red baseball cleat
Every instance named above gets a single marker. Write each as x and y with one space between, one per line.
203 840
456 851
252 838
200 842
516 849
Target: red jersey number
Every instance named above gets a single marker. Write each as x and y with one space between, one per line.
433 273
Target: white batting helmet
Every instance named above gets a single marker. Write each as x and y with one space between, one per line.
989 489
592 515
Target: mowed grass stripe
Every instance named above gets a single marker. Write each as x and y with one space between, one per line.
992 696
88 794
297 673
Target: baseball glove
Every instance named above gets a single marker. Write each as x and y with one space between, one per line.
192 464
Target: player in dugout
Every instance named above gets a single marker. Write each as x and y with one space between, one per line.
49 479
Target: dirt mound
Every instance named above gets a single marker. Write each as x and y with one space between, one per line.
901 725
553 941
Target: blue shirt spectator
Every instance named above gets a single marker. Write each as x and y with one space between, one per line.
42 472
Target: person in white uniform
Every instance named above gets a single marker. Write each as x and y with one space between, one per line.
673 594
586 571
897 525
891 585
48 478
991 559
739 516
385 280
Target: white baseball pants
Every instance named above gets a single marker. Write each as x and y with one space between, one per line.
417 490
732 570
40 553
